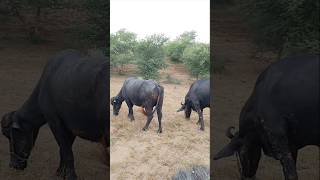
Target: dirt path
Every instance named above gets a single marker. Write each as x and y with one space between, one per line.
20 68
147 155
231 90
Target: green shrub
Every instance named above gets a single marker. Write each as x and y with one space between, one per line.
37 9
175 48
99 15
285 26
122 47
197 60
150 56
217 2
30 13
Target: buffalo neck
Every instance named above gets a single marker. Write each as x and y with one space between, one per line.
120 95
30 113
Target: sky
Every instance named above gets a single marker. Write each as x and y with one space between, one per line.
169 17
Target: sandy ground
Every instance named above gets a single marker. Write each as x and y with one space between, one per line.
20 68
136 154
231 90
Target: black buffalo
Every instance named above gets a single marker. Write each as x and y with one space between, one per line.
280 117
72 97
144 93
197 98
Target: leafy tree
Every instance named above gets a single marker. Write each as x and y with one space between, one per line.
99 15
150 56
122 46
188 36
174 49
31 13
286 26
197 60
32 25
217 2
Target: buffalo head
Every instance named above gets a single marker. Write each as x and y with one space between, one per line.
183 106
247 148
186 107
20 139
116 102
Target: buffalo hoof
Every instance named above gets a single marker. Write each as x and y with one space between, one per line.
248 178
292 177
18 165
66 173
131 118
159 131
202 128
144 129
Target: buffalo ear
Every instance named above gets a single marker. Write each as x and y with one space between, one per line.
235 145
7 119
112 100
5 122
183 106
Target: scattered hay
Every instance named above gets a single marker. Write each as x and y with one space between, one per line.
196 173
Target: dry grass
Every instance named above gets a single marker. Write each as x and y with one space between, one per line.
136 154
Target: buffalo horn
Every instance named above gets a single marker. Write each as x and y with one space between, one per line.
229 132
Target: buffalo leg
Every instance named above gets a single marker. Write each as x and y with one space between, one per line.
187 111
35 135
289 167
130 107
250 156
159 113
200 113
65 140
294 153
199 119
149 118
280 147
